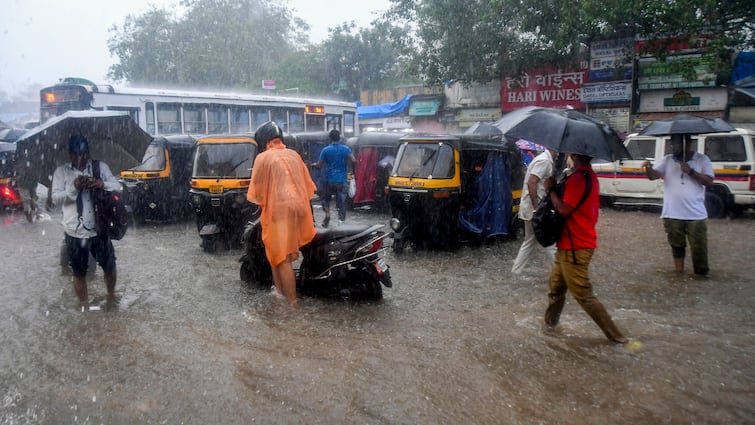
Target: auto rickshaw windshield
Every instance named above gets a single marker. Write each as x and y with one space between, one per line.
154 159
424 160
224 160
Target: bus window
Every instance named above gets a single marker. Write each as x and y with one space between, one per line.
149 109
315 122
280 116
349 129
334 122
240 120
260 116
217 118
194 119
296 121
132 112
168 118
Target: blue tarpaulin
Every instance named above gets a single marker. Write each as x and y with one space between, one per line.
487 209
384 110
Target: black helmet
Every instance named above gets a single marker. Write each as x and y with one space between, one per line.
266 132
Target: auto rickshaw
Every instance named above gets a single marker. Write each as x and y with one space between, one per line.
376 154
158 188
10 198
219 183
309 145
449 189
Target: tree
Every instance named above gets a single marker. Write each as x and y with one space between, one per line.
486 40
350 60
217 43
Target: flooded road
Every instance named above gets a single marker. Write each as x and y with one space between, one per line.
457 340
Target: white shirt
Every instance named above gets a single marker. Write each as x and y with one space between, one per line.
683 196
64 193
542 167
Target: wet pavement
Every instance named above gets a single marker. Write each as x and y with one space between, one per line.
456 340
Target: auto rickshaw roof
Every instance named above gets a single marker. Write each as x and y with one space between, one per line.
465 141
177 140
314 136
379 139
227 138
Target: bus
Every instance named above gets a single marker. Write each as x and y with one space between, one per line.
169 112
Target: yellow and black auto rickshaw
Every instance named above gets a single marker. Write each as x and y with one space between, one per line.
158 188
219 183
446 189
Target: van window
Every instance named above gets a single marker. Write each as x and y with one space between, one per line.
725 148
641 148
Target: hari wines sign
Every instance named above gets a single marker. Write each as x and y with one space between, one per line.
544 88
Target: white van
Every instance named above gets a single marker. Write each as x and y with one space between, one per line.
624 183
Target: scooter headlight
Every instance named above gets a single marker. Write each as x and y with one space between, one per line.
395 224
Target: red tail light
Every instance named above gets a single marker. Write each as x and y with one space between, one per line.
376 245
7 193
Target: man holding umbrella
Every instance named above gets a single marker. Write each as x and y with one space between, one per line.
576 246
686 174
72 186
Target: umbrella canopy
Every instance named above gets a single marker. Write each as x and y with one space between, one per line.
484 128
564 130
686 124
529 146
113 138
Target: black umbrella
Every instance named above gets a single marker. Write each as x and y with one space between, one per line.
686 124
113 138
484 128
563 130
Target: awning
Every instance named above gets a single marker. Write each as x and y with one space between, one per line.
749 91
384 110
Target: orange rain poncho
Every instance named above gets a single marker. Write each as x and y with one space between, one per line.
282 187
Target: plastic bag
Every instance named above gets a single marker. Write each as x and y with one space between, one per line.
352 188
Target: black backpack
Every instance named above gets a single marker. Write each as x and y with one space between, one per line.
110 213
547 223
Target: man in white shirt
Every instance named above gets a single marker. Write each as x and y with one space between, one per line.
685 174
532 192
72 186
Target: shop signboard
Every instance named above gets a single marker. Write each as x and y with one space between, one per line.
687 100
608 60
657 75
607 93
552 88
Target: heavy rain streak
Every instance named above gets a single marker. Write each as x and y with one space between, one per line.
458 339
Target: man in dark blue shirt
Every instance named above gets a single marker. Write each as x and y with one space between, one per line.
336 158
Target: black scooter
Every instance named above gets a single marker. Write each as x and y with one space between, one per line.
343 262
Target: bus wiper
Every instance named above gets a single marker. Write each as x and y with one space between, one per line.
422 167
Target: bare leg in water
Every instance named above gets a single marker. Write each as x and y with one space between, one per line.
285 281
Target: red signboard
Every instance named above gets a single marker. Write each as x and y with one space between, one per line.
556 89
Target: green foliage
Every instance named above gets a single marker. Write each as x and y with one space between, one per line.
483 40
216 43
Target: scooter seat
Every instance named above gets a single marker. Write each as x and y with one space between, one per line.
340 232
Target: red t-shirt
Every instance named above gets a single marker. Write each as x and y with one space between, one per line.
581 223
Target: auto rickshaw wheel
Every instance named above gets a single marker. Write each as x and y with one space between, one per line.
398 246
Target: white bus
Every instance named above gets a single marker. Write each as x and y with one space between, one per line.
167 112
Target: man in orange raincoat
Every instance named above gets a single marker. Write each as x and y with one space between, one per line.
282 187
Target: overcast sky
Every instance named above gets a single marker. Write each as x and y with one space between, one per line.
42 41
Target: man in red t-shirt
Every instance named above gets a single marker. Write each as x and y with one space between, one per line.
575 248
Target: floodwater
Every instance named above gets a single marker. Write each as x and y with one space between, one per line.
457 340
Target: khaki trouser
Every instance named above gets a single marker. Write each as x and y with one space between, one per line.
574 277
